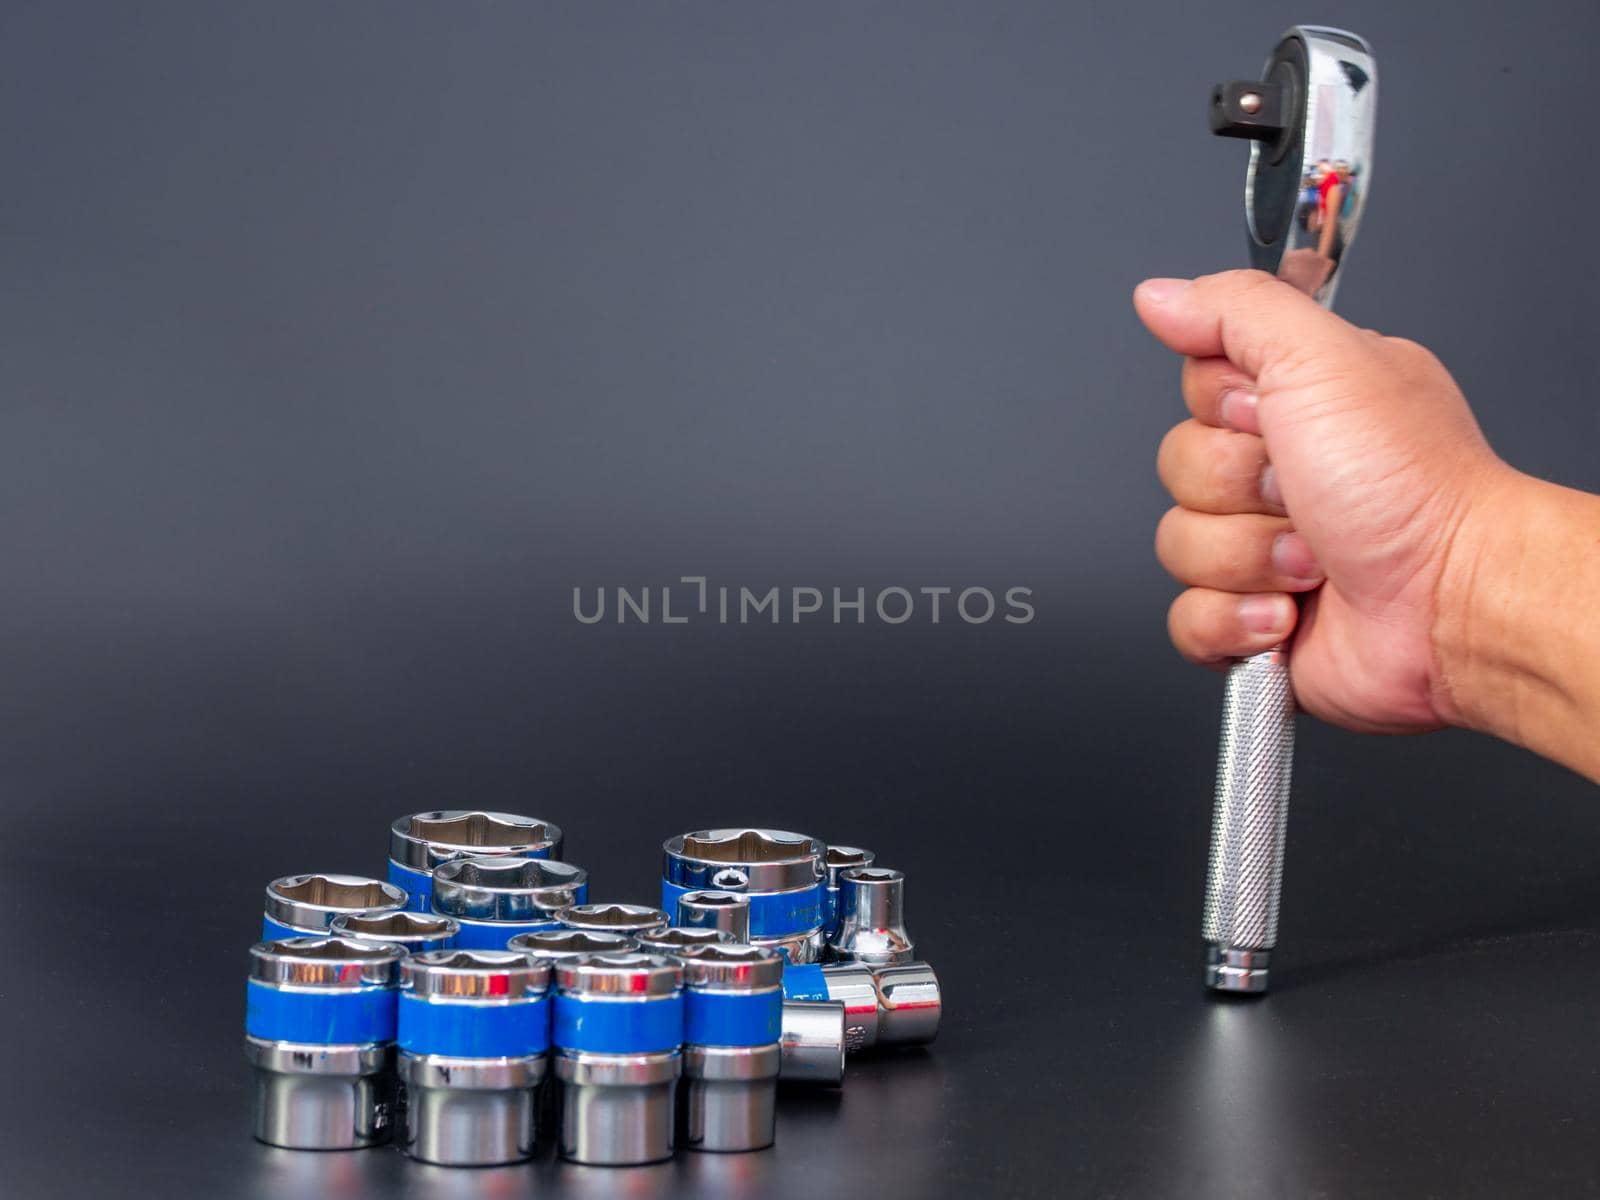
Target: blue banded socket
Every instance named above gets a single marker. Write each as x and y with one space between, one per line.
422 842
618 1034
320 1016
557 945
306 905
474 1032
494 899
413 931
732 1026
630 920
781 874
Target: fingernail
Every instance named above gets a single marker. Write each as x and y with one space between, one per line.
1293 558
1239 410
1265 614
1269 485
1162 291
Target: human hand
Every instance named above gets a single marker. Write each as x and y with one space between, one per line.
1326 461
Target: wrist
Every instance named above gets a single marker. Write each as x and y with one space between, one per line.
1476 583
1516 634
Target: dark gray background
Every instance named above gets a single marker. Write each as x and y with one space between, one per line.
342 340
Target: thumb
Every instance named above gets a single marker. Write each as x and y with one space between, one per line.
1256 321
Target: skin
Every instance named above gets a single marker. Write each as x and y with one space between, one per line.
1323 463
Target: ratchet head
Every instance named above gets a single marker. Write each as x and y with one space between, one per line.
1310 121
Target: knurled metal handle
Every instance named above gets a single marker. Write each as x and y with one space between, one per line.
1244 877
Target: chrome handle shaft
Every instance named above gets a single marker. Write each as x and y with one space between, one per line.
1244 876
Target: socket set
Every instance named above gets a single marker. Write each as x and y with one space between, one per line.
475 1005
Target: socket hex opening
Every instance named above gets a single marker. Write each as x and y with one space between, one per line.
336 891
331 949
469 829
396 924
512 873
847 856
571 942
746 845
875 875
614 916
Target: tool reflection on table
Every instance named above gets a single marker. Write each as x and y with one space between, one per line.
1310 119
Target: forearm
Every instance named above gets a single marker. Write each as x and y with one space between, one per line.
1517 641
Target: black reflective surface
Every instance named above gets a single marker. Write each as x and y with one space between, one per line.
343 341
1429 1031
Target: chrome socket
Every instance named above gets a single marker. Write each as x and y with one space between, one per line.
319 1037
811 1048
474 1032
727 911
494 899
413 931
837 860
631 920
306 905
733 1006
895 1005
618 1034
422 842
872 925
780 872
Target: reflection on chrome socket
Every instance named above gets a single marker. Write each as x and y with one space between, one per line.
319 1036
872 927
474 1028
421 842
812 1046
629 919
618 1030
306 905
733 1021
727 911
413 931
